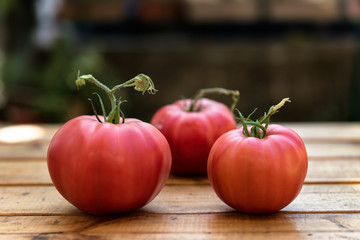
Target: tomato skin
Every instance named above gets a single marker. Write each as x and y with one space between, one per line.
255 175
192 134
105 168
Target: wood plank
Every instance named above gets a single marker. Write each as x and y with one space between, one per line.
309 131
313 198
186 236
182 199
36 173
23 152
327 131
25 140
332 150
24 173
322 171
182 226
33 200
21 133
32 151
322 140
324 131
333 171
316 150
328 207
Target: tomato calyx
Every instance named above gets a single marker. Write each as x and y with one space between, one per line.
260 125
202 92
141 83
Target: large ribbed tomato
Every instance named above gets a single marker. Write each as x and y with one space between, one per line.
104 168
258 174
191 134
109 164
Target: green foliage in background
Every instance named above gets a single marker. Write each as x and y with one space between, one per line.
45 82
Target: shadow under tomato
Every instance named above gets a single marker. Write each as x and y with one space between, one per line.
187 179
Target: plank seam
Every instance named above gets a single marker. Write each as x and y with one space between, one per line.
178 213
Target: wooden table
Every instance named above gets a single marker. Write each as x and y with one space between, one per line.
328 206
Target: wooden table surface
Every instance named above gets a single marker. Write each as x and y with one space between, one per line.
328 206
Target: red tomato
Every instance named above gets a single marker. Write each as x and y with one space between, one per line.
104 168
256 175
192 134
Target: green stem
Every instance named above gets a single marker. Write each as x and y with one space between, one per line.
94 110
102 106
235 96
255 132
273 109
243 122
141 82
81 80
259 126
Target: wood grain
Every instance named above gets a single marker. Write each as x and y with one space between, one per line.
181 199
337 171
255 235
327 132
203 226
328 206
322 140
325 171
332 150
314 131
24 151
24 173
315 150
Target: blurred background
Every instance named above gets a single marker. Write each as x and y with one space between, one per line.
307 50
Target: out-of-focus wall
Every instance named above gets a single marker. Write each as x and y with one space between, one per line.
306 50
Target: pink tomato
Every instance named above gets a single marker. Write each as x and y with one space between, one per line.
191 134
104 168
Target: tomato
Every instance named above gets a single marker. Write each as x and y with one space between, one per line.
104 168
258 175
191 134
109 164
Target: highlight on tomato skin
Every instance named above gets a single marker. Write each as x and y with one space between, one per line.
109 164
258 173
191 127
